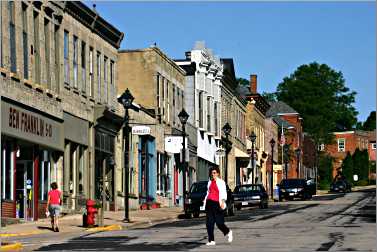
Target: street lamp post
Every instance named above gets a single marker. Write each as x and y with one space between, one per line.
252 138
183 117
298 153
126 100
226 129
286 149
272 143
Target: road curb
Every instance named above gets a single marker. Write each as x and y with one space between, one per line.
11 247
107 228
20 234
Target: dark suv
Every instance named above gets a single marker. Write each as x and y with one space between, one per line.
195 197
295 188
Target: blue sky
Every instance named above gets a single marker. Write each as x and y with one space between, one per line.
270 39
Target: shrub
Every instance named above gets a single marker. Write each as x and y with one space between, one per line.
361 182
324 185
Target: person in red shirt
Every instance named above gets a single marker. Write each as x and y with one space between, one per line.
215 205
53 205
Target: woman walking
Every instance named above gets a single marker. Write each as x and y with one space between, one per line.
215 205
53 205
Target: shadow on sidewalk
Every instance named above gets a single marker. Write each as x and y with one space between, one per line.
45 228
119 243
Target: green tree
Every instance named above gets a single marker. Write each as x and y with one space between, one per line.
370 122
361 163
347 167
271 97
325 171
319 94
243 82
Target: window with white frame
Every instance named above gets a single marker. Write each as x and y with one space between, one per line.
341 145
374 145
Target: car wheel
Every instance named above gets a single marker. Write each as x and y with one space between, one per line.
265 205
238 208
261 205
196 214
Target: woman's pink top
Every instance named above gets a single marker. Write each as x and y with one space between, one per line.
213 193
54 197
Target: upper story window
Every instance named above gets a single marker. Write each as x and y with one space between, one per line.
47 51
105 75
83 66
201 114
66 57
99 75
173 105
158 99
75 61
209 113
374 146
25 41
341 145
91 77
12 37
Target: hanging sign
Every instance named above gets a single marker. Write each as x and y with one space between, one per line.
141 130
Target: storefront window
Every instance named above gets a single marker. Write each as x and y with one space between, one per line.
7 171
81 169
44 174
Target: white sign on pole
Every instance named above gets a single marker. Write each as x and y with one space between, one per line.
141 130
355 177
173 144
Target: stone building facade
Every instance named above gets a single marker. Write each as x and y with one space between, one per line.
57 67
158 85
233 111
256 110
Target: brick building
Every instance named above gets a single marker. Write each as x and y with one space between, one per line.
290 124
57 65
344 142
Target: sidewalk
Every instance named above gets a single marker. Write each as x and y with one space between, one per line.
73 223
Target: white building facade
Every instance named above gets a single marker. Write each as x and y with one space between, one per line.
203 93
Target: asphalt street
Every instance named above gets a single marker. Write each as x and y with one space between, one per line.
339 222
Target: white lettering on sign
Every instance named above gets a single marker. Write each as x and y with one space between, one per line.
141 130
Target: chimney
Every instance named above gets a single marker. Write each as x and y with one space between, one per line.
253 83
188 55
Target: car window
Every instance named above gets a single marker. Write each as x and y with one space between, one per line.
292 182
198 187
247 188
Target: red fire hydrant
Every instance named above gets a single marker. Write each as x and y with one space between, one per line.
90 212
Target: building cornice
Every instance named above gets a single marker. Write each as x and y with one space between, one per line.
94 22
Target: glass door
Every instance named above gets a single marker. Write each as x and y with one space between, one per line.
24 190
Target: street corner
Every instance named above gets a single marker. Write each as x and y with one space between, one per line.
114 227
21 234
11 247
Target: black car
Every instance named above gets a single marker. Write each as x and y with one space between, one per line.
250 195
296 188
340 186
195 197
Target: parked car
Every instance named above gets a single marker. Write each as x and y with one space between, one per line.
250 195
340 186
296 188
195 197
